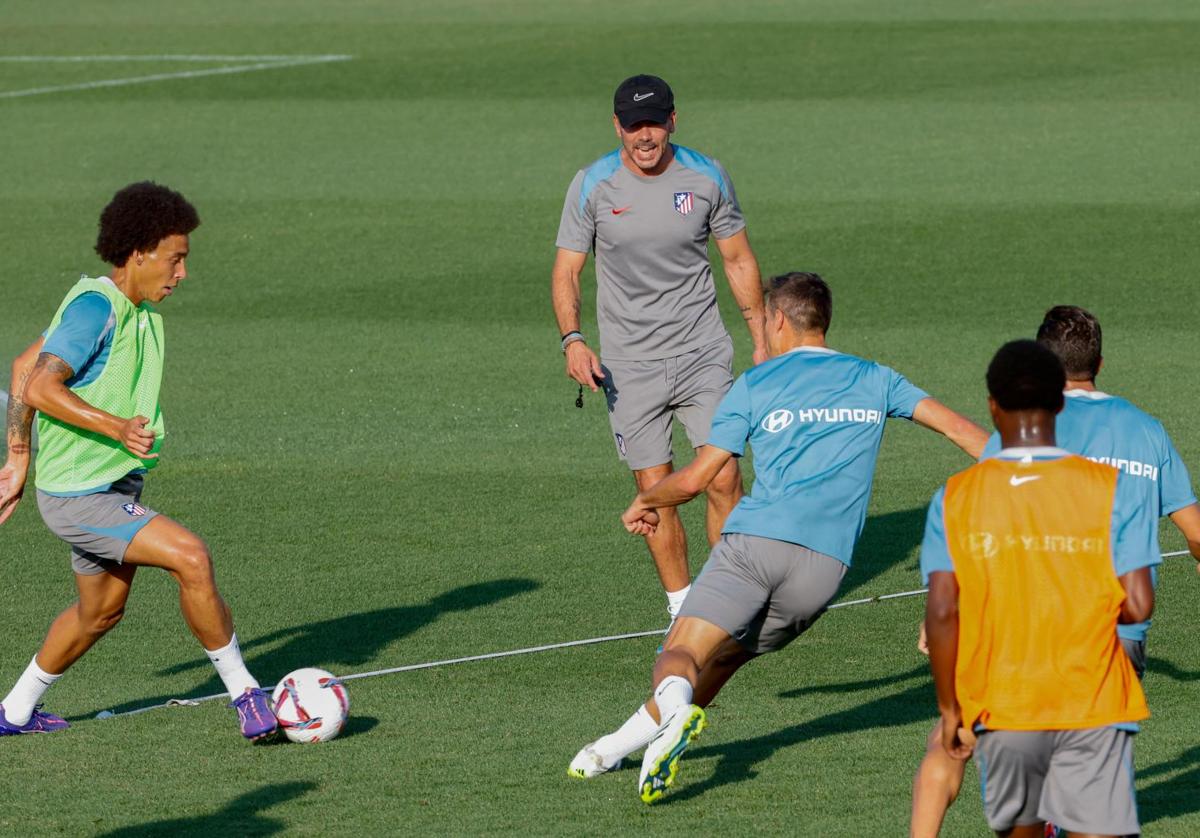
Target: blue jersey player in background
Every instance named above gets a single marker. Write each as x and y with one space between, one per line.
814 418
1107 429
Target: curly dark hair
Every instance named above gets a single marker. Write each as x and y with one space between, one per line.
140 216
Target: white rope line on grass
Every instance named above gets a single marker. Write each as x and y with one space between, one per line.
99 59
295 61
591 641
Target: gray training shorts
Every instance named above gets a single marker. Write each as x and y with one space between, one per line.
1135 650
1079 780
99 526
643 396
764 593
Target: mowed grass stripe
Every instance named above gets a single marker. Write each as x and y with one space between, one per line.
395 216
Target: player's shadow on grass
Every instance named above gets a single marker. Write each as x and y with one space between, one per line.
241 816
339 644
886 541
918 671
1174 797
1161 667
738 761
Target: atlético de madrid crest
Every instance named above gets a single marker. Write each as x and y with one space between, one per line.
683 202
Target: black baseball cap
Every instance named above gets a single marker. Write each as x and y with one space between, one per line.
643 99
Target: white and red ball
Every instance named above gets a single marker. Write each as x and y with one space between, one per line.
311 705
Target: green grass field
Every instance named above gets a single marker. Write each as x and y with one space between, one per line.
370 425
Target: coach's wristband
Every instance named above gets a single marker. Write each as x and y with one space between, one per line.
571 337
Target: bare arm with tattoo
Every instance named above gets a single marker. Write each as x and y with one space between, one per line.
18 433
47 391
741 269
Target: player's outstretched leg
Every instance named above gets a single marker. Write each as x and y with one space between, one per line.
691 647
935 787
609 751
167 544
681 724
100 606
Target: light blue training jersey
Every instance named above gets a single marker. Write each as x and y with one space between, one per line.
84 337
1132 535
814 418
1113 431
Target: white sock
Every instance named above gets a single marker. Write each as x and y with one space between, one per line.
675 600
672 692
29 689
632 736
231 668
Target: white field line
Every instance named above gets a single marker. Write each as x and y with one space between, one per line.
294 61
99 59
591 641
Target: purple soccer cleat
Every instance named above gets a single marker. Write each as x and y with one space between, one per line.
39 722
254 714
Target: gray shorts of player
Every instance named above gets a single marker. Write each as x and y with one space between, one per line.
98 527
1136 652
764 593
644 396
1079 780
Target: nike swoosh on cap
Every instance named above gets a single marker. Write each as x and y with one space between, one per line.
637 97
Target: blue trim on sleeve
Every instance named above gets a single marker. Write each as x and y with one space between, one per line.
935 552
597 173
83 337
697 162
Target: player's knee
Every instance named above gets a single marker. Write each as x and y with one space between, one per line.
193 563
940 771
674 660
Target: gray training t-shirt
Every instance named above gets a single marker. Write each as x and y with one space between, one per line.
654 296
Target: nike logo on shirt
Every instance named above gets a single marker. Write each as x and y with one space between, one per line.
621 210
1017 481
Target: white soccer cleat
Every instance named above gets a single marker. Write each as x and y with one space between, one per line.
588 763
661 762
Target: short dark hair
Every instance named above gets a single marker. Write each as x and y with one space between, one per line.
804 298
1073 334
140 216
1024 375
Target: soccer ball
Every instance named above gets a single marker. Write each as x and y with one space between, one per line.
311 705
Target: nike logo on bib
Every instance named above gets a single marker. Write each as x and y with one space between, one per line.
1017 481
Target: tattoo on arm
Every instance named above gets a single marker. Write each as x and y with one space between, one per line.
19 423
20 419
54 366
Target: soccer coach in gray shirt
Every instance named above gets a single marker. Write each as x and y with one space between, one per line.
647 210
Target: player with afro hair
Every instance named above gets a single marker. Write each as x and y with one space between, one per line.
93 379
140 216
